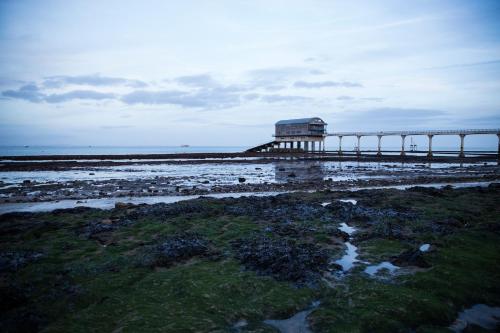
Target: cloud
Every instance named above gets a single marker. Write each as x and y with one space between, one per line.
78 94
153 97
470 64
368 99
345 98
323 84
284 98
275 76
392 118
198 81
32 93
28 92
373 99
199 91
207 99
90 80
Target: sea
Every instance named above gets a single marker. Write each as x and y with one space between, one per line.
112 150
125 150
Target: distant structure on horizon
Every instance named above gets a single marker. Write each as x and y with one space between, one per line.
303 133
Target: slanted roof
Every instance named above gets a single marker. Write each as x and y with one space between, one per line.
300 121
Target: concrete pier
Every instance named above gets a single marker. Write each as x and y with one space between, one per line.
290 139
430 134
403 137
358 148
462 138
429 153
379 145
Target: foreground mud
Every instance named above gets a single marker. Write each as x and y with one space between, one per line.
238 264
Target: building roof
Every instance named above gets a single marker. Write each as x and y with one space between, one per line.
300 121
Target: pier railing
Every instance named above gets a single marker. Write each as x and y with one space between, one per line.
462 133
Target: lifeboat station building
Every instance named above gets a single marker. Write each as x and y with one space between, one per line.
305 134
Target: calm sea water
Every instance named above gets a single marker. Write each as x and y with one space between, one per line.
124 150
111 150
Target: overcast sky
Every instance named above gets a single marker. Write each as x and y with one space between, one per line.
223 72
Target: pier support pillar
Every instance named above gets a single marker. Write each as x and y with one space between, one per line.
299 145
313 146
462 139
358 150
324 146
403 138
379 146
498 151
429 154
340 145
291 145
306 146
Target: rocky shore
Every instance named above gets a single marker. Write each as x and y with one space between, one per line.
416 259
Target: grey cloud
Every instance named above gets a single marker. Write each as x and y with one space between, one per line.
251 96
29 92
78 94
323 84
345 98
273 76
284 98
393 118
91 80
199 81
207 99
32 93
373 99
153 97
410 116
369 99
470 64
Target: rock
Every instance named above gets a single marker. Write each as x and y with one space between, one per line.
177 248
123 205
11 261
91 174
242 179
413 257
26 181
281 258
292 175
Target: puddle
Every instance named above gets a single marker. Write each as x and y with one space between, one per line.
347 229
239 325
431 185
349 258
109 203
351 201
296 324
481 315
372 270
424 247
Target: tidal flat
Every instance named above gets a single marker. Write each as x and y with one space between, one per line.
238 264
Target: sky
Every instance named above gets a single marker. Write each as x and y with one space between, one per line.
223 72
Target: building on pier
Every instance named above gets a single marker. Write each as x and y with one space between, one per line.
300 134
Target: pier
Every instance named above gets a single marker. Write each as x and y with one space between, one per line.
403 134
308 135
